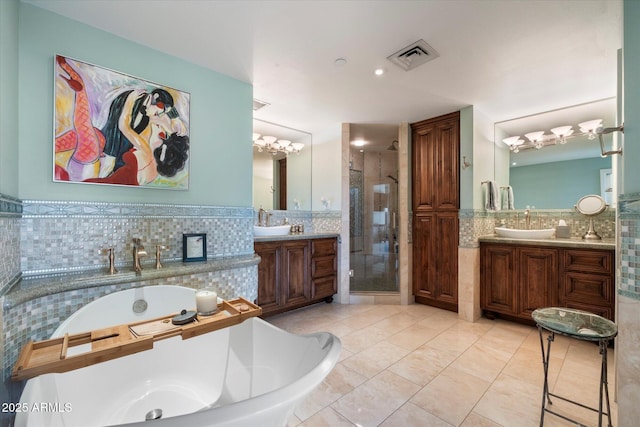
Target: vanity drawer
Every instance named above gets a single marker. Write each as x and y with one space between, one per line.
323 266
589 288
323 247
591 261
324 287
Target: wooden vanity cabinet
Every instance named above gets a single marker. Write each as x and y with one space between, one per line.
295 273
517 279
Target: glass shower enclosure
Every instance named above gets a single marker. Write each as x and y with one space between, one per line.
373 210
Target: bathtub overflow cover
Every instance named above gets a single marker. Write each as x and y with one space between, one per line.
153 414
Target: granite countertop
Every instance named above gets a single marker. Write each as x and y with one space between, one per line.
300 236
574 242
31 287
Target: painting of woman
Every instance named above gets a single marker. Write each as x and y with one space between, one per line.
143 140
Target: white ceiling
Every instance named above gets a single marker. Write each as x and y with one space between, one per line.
507 58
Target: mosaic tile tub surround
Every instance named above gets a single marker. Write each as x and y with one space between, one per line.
53 238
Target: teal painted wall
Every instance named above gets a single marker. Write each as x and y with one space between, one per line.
9 98
557 185
220 115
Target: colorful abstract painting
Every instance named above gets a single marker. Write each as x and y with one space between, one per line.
115 129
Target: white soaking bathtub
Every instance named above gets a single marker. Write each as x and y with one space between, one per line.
250 374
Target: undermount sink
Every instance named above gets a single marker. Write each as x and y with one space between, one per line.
273 230
515 233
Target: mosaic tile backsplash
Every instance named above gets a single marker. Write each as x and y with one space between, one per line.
66 236
10 211
628 285
476 223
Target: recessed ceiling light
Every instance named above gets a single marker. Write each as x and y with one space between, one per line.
378 71
340 62
359 142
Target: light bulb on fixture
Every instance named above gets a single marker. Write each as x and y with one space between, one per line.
590 127
514 142
562 132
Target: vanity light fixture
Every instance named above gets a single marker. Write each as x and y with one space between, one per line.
274 145
561 134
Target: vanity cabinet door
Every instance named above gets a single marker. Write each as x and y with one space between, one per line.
537 279
269 273
295 283
498 281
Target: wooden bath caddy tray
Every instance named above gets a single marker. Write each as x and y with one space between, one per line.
63 354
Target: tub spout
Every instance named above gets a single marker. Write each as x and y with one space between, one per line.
138 252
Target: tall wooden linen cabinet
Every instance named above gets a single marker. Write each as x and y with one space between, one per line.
436 201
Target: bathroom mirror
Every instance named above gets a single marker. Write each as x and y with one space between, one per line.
554 175
591 206
282 181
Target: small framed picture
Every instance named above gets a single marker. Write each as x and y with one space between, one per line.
194 247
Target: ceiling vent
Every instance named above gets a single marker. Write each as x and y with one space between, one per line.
413 55
259 104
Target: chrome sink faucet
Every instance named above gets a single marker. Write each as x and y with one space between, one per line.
138 252
261 217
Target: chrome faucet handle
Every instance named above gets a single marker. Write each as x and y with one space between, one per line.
110 252
159 248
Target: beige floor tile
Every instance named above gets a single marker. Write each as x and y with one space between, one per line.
371 403
511 402
475 420
372 361
505 338
396 322
451 395
482 361
456 340
420 311
424 364
440 321
413 337
410 415
361 339
339 382
327 418
526 365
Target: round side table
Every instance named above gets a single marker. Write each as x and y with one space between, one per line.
580 325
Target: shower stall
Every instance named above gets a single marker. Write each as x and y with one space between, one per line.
373 217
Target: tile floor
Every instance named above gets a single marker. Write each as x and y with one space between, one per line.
420 366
